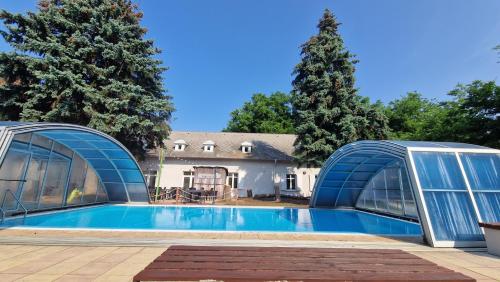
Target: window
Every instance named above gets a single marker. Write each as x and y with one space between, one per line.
291 181
150 176
179 145
232 180
188 179
246 147
208 146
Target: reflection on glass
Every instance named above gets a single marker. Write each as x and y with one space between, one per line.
483 173
90 187
55 182
448 203
101 194
438 171
11 172
34 180
452 216
76 180
389 192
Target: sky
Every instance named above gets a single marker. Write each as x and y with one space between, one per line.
220 52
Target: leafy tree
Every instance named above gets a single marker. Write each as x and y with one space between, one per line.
327 112
474 115
85 62
415 118
263 114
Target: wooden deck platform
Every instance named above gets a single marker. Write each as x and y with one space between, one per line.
191 263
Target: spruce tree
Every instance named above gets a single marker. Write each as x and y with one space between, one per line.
327 112
85 62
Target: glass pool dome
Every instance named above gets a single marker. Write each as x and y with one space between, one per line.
51 165
447 187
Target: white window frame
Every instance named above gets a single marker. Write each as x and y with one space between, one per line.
246 149
291 181
190 175
230 179
179 147
208 148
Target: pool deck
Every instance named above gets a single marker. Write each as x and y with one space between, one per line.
45 255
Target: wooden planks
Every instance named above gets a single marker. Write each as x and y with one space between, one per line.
188 263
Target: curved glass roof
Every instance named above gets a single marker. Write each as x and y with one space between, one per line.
449 187
112 162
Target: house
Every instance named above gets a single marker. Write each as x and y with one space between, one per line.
252 163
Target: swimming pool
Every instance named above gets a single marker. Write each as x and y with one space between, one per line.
203 218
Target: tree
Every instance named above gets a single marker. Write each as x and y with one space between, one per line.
263 114
327 112
474 114
415 118
85 62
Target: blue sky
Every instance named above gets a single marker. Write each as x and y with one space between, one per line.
221 52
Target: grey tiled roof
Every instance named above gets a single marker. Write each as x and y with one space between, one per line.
228 145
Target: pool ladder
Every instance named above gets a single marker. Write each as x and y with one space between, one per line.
19 204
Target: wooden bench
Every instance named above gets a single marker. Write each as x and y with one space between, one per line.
188 263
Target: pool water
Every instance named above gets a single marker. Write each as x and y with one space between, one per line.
182 218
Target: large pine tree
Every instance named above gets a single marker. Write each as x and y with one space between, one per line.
85 62
328 114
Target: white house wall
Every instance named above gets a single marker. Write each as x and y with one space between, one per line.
254 175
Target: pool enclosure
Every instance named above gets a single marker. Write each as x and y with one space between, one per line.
447 187
49 165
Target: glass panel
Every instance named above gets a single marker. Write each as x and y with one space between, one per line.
55 182
488 204
389 192
452 216
103 145
137 192
41 141
125 164
101 194
116 192
16 145
34 180
11 172
132 176
76 181
483 173
109 175
90 186
63 150
116 154
483 170
23 137
438 170
101 164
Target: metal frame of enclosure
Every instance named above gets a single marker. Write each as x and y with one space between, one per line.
52 165
448 187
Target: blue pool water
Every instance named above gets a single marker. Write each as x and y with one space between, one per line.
220 219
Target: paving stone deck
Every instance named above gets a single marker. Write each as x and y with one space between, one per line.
99 256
